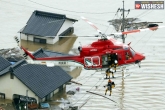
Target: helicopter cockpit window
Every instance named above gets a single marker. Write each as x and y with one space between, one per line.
125 47
128 56
132 52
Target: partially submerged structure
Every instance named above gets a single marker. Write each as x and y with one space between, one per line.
40 81
45 27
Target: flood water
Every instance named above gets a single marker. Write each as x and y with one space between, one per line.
138 88
64 45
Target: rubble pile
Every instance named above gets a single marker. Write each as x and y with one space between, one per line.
11 54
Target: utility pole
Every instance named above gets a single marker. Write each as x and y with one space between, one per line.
26 99
123 20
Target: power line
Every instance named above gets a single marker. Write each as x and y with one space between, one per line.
68 10
144 13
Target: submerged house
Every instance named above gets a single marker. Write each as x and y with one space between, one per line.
45 27
40 81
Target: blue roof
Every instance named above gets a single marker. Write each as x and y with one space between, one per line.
45 23
41 79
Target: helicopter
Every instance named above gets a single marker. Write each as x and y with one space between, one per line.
95 55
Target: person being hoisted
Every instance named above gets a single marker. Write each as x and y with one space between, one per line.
115 61
108 72
112 71
110 85
109 60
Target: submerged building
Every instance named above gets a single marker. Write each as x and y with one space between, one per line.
40 81
46 27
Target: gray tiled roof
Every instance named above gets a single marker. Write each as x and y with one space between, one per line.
41 79
9 68
44 53
40 53
44 23
4 64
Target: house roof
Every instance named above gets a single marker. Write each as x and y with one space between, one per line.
44 23
4 65
41 79
44 53
10 66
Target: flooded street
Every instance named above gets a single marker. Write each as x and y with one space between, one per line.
136 89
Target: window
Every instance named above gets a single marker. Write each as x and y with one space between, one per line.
132 52
62 63
11 75
128 56
38 40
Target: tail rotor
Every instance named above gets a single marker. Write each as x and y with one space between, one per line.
18 43
17 40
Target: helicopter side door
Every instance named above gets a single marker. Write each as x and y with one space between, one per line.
92 62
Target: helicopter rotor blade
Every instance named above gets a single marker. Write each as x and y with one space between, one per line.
79 36
138 30
90 23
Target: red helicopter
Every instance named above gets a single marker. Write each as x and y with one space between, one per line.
96 54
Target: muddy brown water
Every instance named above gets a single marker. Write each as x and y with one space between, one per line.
136 89
141 88
64 45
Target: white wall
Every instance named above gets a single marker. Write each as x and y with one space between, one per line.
14 86
27 37
31 38
23 36
65 26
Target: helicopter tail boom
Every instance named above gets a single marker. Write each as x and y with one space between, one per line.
28 53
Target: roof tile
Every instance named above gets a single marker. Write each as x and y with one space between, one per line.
41 79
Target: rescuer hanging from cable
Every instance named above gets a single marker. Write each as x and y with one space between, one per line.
108 72
109 86
114 61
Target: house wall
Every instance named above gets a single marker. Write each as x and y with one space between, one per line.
31 38
65 26
14 86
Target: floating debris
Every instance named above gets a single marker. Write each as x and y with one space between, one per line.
71 92
11 54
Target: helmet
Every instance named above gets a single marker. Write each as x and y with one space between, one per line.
115 61
109 80
111 69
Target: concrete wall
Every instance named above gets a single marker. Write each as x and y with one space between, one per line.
14 86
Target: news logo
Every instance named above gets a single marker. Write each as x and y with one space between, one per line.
152 5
